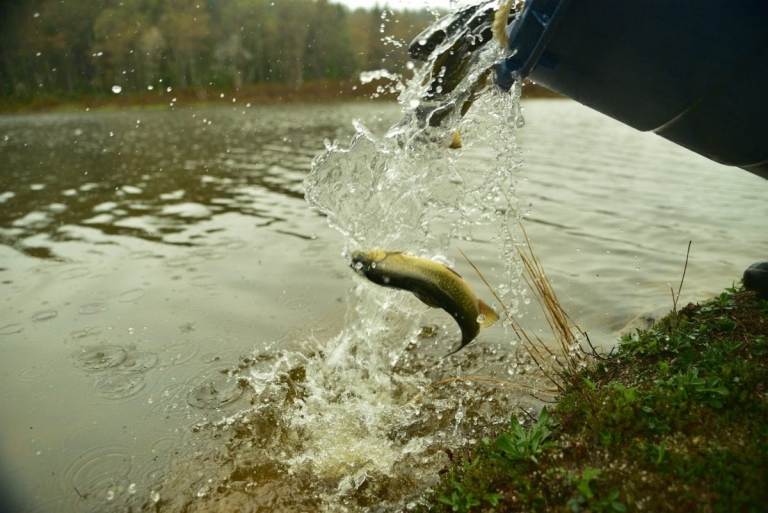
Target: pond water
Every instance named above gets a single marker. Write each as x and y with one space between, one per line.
168 298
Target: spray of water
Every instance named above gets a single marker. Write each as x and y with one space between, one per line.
362 421
356 426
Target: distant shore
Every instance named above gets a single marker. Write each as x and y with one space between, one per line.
253 94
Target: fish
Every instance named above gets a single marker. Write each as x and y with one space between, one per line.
471 28
433 283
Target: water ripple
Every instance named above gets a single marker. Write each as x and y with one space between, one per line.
11 329
101 473
92 308
98 358
35 372
118 386
215 390
44 315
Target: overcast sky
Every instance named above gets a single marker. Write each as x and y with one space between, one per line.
396 4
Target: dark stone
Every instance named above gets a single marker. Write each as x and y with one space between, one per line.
756 278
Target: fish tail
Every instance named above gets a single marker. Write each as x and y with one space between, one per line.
490 316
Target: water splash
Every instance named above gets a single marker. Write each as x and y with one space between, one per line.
353 428
362 421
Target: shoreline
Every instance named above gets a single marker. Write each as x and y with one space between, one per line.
673 420
256 94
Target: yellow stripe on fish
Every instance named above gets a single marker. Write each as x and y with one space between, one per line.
433 283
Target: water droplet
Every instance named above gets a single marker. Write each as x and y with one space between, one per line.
116 89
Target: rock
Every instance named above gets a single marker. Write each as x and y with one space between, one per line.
756 278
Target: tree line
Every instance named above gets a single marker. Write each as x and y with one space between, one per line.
73 48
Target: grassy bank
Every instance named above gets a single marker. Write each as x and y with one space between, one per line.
254 94
675 419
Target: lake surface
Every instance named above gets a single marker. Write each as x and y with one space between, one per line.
167 293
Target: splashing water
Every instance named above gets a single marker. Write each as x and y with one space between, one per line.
405 191
362 421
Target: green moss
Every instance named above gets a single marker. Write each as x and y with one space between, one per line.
676 419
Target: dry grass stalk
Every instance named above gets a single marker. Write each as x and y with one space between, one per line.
571 356
566 333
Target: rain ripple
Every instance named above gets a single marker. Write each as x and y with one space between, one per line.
11 329
102 474
45 315
118 386
121 372
216 390
101 357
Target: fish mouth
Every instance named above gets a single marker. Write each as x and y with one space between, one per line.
364 261
360 262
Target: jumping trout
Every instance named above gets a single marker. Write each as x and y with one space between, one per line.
433 283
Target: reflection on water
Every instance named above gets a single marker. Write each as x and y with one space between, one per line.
151 174
167 295
613 211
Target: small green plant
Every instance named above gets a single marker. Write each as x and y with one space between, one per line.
723 323
583 483
610 503
462 500
521 444
760 346
588 496
662 451
724 301
689 386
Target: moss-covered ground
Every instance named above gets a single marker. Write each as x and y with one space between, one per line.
674 419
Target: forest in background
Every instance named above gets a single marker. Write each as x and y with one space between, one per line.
74 49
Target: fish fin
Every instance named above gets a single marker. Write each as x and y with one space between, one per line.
456 141
425 300
490 315
454 272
